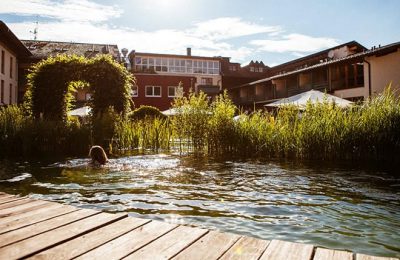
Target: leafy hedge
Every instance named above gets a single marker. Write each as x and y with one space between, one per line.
145 111
52 82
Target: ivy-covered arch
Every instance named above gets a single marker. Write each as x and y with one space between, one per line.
52 82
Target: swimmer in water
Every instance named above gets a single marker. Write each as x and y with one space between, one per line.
98 155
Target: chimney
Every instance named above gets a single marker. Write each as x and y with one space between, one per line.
189 51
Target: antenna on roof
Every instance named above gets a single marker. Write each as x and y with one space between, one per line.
35 31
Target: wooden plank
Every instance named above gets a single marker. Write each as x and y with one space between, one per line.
9 198
130 242
287 250
246 248
22 208
328 254
3 194
46 240
211 246
87 242
14 203
32 212
38 228
4 213
170 244
35 216
368 257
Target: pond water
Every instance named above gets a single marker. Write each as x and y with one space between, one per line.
335 207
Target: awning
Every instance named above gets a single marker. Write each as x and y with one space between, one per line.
80 112
314 96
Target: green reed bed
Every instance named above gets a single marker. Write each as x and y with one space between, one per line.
21 135
149 133
369 130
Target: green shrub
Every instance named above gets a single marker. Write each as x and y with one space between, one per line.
51 83
145 111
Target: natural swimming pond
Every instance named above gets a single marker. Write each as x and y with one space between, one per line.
336 207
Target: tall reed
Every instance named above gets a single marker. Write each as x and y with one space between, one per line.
369 130
20 135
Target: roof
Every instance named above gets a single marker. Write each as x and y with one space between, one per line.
44 49
12 42
174 56
374 51
351 43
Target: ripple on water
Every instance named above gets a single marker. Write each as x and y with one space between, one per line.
336 208
18 178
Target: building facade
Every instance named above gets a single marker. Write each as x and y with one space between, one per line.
159 90
12 51
158 74
381 68
233 74
348 71
342 71
161 73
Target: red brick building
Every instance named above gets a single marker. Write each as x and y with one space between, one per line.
158 75
159 90
233 74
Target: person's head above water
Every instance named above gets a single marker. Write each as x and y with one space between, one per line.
98 155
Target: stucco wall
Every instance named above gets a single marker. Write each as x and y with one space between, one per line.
350 93
384 69
6 76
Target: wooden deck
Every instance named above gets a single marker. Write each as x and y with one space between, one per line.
46 230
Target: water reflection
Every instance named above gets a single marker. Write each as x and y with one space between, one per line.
334 207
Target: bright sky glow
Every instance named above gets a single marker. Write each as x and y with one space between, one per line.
269 30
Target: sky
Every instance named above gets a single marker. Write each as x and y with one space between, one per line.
272 31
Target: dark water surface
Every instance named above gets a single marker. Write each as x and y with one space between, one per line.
335 207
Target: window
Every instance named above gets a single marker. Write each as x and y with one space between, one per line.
252 69
2 61
11 67
153 91
2 92
158 64
255 69
145 63
175 91
177 65
10 96
164 65
171 91
134 91
206 81
260 69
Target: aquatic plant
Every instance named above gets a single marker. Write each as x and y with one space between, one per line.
21 135
191 122
145 111
368 130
